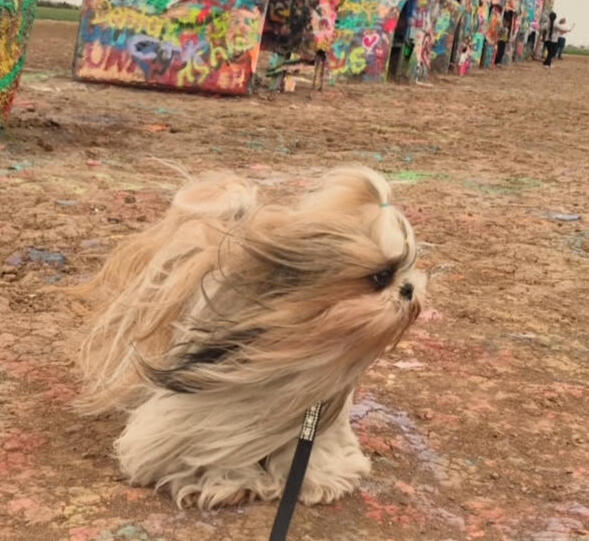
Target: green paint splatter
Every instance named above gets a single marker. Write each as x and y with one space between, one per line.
413 177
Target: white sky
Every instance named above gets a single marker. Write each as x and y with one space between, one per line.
575 11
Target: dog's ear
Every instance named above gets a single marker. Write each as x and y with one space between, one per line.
182 377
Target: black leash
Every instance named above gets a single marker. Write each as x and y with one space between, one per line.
296 474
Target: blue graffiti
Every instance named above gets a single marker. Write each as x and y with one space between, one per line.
114 38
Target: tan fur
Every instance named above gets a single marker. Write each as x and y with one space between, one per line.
282 295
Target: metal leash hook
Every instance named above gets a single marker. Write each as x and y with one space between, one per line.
296 474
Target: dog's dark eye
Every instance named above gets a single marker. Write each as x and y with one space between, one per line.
383 279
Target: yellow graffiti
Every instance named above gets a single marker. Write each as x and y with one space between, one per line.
121 18
220 25
8 46
368 8
186 74
357 60
215 53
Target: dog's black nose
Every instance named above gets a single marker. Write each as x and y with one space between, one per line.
407 291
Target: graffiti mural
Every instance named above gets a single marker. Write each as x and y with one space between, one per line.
445 29
16 19
298 34
421 35
204 45
513 14
462 49
363 39
492 34
482 24
527 15
542 20
303 27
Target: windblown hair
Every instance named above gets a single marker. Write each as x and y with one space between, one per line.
224 322
552 18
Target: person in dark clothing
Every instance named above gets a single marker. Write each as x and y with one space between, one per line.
544 51
551 40
555 32
560 45
502 43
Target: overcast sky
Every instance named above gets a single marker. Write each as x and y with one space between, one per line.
575 11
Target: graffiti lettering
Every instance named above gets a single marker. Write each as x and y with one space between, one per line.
361 45
209 44
357 60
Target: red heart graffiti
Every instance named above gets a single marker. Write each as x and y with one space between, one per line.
369 41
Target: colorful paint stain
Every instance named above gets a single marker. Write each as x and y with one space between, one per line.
444 31
363 38
201 45
16 19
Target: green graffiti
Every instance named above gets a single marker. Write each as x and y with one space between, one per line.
158 6
20 17
28 15
9 79
8 5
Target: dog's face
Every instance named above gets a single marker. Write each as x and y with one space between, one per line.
324 286
342 266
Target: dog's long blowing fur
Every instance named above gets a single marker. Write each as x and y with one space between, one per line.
224 322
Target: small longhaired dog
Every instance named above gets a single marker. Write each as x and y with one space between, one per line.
225 321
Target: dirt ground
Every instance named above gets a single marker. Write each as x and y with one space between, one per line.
476 425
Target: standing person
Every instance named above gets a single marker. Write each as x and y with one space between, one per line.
502 43
555 31
551 39
544 47
561 43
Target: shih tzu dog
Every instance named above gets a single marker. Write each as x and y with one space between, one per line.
228 319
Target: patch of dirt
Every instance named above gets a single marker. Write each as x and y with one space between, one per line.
476 424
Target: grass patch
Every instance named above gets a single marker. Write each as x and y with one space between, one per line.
576 50
57 14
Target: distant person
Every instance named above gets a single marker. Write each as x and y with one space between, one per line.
502 44
561 43
551 39
531 43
